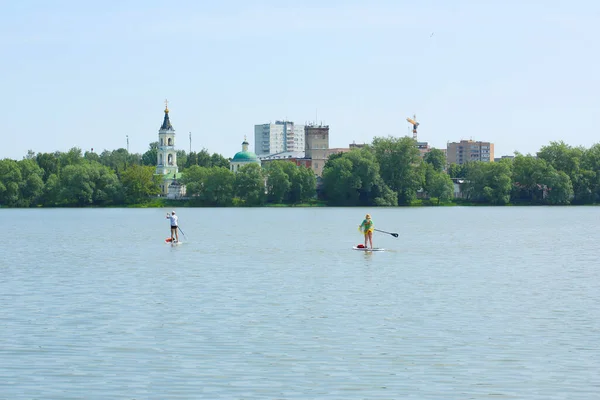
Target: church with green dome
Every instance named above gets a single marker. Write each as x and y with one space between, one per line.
243 157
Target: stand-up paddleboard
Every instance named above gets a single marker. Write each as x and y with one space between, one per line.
170 241
368 249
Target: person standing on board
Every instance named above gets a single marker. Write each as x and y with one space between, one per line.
367 228
174 233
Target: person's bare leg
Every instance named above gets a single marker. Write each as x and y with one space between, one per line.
371 238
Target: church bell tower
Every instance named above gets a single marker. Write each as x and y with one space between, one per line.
166 163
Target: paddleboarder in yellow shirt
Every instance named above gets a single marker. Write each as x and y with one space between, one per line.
367 227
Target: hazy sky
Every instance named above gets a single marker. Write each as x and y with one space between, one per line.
88 73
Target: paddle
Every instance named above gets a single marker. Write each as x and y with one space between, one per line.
389 233
182 232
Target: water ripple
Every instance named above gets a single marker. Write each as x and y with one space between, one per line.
469 303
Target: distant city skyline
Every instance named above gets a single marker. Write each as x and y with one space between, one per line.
95 75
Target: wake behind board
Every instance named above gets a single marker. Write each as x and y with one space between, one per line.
367 249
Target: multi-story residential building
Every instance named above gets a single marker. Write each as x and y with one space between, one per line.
278 137
469 150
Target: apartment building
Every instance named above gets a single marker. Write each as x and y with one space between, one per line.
469 150
282 136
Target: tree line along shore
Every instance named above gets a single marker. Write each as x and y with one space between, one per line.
387 172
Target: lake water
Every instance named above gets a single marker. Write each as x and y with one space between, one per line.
273 303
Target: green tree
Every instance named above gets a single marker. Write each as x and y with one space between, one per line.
249 185
218 187
72 157
489 182
31 185
333 157
537 182
561 157
51 193
87 184
150 157
209 186
438 184
308 184
193 179
457 171
217 160
436 158
181 159
10 180
366 170
278 182
528 175
340 188
289 183
293 195
560 188
399 164
49 162
91 156
203 159
117 160
108 187
77 185
191 159
382 195
140 183
353 179
302 183
567 159
590 163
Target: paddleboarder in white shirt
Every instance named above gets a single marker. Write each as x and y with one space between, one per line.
174 233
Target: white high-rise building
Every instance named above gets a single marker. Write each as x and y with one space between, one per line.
278 137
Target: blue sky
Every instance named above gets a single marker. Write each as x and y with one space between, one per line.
89 73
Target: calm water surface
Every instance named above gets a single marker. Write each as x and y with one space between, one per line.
468 303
